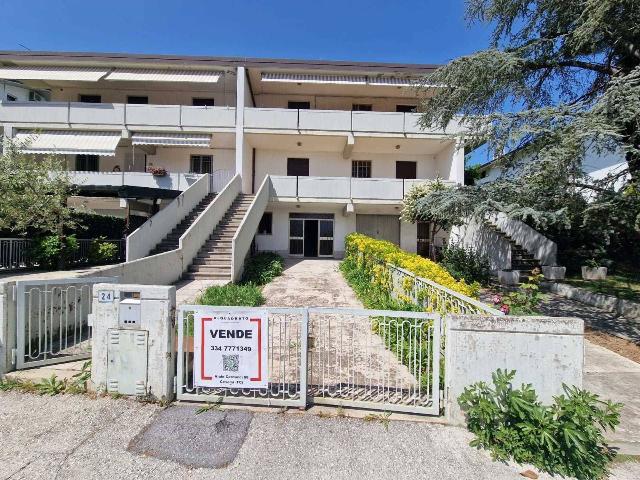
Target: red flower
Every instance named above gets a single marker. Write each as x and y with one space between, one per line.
505 309
497 299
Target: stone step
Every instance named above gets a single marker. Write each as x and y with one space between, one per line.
217 257
208 276
212 261
210 269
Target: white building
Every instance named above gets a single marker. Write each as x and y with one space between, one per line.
337 142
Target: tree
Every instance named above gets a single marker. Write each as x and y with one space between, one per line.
416 206
559 77
33 193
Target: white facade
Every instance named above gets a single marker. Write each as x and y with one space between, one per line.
337 139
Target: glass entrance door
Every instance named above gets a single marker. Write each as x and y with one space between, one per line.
310 236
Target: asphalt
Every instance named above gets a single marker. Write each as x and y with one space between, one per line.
75 437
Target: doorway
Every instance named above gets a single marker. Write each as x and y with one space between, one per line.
311 238
311 235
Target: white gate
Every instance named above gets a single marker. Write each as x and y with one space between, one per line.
52 320
375 359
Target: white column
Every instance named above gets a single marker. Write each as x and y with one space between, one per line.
241 146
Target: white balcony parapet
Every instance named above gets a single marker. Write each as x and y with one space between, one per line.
117 115
341 188
171 181
399 123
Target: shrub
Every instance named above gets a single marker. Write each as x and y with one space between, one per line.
101 251
47 251
466 264
262 268
376 251
232 294
564 438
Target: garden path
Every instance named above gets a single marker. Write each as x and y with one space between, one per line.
345 354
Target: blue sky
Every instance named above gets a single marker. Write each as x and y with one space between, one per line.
432 31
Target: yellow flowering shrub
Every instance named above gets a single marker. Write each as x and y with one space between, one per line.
370 252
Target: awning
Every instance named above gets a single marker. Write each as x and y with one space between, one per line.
172 139
148 75
63 142
336 79
53 73
310 78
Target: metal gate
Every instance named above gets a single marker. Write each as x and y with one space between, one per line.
374 359
52 324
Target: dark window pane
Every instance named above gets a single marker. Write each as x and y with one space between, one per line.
296 247
265 226
201 163
406 170
87 163
361 107
361 169
406 108
326 247
296 228
298 167
137 100
203 102
299 105
90 98
326 228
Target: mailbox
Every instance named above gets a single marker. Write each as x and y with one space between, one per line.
129 310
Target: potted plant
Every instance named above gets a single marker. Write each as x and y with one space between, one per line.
157 171
592 270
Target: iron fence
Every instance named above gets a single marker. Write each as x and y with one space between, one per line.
16 253
375 359
53 320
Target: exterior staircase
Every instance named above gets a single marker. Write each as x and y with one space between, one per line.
171 241
521 259
213 261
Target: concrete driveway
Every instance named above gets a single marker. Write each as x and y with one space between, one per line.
75 437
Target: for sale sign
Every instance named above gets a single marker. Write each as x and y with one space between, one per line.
230 349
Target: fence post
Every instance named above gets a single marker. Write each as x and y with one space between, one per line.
304 354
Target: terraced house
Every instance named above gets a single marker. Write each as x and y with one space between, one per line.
228 155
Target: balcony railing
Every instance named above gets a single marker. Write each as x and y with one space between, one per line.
339 121
117 114
340 188
171 181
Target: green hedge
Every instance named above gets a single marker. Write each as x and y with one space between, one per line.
263 268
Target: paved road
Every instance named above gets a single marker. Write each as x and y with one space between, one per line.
74 437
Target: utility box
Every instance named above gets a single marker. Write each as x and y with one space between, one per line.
133 340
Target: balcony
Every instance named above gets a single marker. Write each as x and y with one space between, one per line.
170 181
339 121
117 115
341 189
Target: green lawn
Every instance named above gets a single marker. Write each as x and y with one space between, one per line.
621 286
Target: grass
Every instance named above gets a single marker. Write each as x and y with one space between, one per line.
50 386
263 268
621 286
258 271
233 295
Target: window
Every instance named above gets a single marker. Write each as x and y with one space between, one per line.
299 105
406 108
90 99
361 107
266 223
298 167
203 102
87 163
137 100
361 169
406 170
201 164
422 238
11 98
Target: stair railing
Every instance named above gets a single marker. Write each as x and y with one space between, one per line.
145 238
243 237
199 232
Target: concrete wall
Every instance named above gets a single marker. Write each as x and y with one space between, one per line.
534 242
7 326
544 351
484 240
157 316
159 93
327 102
332 164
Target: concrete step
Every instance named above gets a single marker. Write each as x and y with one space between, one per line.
210 269
212 261
208 276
